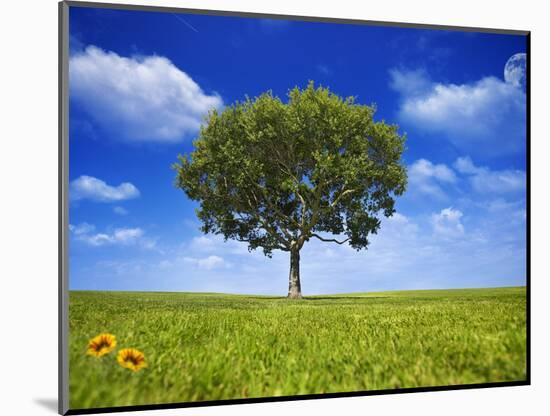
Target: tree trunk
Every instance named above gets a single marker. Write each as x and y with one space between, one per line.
294 287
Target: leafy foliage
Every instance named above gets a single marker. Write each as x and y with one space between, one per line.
276 174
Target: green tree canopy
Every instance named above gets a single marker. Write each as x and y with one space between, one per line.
276 174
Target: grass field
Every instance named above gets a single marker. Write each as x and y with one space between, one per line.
214 346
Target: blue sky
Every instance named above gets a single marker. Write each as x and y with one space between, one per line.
141 83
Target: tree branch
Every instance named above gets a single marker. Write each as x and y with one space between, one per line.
330 240
246 240
271 206
303 219
269 229
344 193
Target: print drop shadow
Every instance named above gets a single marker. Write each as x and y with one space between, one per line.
49 404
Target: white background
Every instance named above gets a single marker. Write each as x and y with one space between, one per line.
28 208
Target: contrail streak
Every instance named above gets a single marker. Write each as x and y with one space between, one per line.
184 22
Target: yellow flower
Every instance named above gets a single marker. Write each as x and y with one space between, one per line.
132 359
101 345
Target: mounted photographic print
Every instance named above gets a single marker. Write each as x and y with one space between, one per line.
264 208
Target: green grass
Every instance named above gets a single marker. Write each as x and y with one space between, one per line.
215 346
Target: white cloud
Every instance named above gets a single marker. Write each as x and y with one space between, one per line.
407 253
447 223
410 83
88 187
210 262
121 236
400 224
398 218
515 212
127 235
139 98
216 244
485 180
465 165
204 243
207 263
120 210
426 177
83 228
127 268
488 114
97 239
425 168
165 264
499 205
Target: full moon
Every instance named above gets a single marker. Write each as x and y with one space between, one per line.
515 70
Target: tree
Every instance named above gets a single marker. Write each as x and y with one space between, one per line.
276 174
